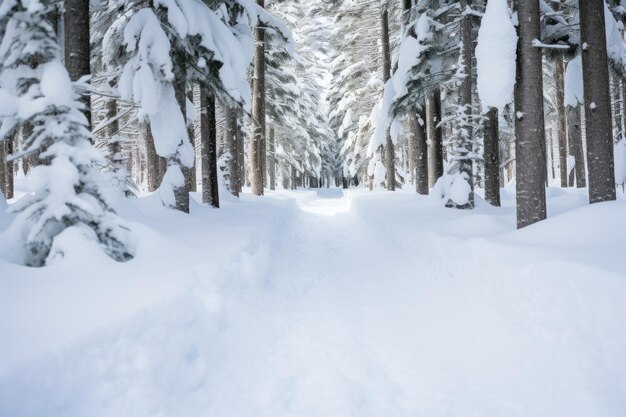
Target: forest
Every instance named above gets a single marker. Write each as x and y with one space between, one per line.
235 208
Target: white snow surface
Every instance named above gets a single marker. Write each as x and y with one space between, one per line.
326 303
574 87
496 55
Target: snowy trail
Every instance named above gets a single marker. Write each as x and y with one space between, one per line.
348 305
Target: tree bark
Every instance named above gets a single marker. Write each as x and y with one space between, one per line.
461 162
271 159
600 158
208 155
529 125
153 171
435 138
576 146
191 177
559 79
3 168
257 145
421 152
77 46
411 150
181 194
492 158
390 152
233 148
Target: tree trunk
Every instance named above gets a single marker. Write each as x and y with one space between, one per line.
421 152
191 178
77 46
461 162
3 168
435 138
257 149
10 174
208 146
233 149
271 160
559 79
181 193
492 158
576 146
411 150
390 153
153 171
529 125
115 154
600 158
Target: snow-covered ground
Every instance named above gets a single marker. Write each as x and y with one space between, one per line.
325 304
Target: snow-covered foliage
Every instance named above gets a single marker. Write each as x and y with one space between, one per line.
66 190
357 79
209 44
295 87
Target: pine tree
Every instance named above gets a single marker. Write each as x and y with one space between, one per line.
67 190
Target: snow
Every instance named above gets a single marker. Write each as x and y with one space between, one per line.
496 55
574 87
318 303
620 162
56 85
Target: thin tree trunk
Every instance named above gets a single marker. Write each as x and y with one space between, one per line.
208 139
435 138
191 177
492 158
3 168
10 143
257 145
421 151
233 149
152 159
529 125
181 193
412 149
576 146
115 154
559 79
390 153
623 107
271 159
31 160
77 44
600 158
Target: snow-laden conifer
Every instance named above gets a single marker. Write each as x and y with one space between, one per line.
35 90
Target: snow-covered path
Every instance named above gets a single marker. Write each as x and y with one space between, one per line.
332 304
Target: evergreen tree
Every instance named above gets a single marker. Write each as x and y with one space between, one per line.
67 190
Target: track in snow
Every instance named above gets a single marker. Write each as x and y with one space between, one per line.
354 306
